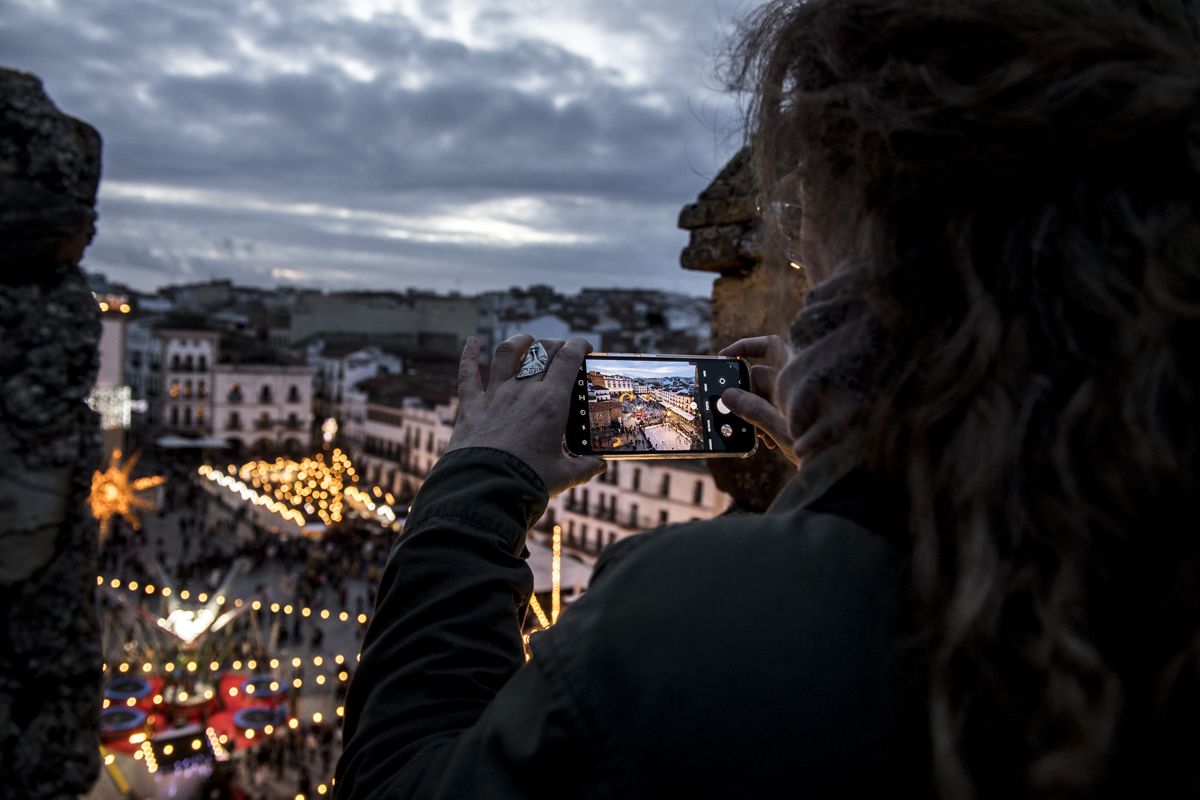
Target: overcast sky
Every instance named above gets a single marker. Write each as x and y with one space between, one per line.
445 144
644 369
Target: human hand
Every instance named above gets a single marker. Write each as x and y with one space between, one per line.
525 418
757 406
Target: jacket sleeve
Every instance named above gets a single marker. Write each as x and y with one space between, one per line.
442 703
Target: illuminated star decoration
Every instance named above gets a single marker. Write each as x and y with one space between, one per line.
113 493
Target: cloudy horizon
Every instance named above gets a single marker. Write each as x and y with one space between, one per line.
389 144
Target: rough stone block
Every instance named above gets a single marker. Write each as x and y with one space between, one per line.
49 438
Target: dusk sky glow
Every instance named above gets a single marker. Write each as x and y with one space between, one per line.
644 369
386 144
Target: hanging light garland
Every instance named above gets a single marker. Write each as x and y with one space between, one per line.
306 491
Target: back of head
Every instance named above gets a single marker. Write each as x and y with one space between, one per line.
1005 328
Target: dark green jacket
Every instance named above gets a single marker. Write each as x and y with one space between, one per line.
736 657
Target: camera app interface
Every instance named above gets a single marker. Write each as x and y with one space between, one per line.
643 406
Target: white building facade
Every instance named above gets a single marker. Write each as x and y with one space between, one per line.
401 445
188 359
337 371
171 370
634 496
263 408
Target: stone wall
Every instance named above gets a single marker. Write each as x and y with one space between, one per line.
755 293
49 442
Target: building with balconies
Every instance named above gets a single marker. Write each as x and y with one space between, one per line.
169 364
402 443
263 408
633 496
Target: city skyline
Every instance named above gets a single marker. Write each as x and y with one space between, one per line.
390 143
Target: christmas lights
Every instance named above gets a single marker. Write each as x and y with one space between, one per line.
114 493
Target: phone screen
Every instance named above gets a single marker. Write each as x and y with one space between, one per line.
657 406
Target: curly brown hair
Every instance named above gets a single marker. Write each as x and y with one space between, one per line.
1012 188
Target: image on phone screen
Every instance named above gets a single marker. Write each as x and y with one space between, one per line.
657 406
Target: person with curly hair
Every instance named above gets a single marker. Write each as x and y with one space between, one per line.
984 580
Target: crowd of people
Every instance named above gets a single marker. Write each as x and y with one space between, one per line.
192 540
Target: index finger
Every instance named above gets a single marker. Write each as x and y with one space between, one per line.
568 360
752 347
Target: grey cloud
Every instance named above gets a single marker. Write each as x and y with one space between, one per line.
439 125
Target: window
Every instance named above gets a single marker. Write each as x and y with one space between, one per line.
293 421
263 422
429 442
199 415
633 516
187 416
570 527
637 479
662 518
201 389
187 363
174 390
204 363
187 388
264 395
175 362
293 395
698 493
583 532
235 393
174 415
665 489
585 506
235 421
612 537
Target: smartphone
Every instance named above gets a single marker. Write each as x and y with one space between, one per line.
657 406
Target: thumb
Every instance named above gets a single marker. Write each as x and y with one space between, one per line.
757 411
584 468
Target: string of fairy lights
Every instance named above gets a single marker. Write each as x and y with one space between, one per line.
149 589
305 492
301 492
217 742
